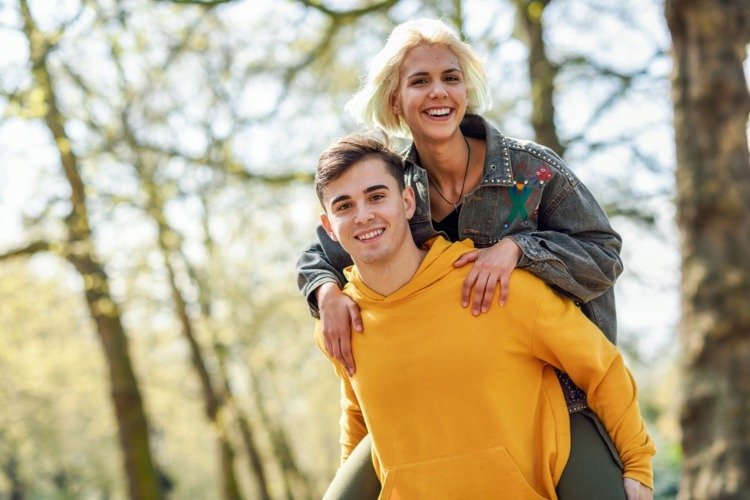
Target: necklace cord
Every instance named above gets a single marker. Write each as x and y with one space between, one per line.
463 183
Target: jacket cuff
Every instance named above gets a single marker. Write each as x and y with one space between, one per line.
309 291
525 245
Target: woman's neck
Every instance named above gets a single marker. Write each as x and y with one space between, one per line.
445 161
454 168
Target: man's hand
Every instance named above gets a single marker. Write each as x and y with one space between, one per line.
491 265
338 314
637 491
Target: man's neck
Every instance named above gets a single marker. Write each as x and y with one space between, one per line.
388 276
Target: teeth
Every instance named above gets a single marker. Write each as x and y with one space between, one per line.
370 235
439 112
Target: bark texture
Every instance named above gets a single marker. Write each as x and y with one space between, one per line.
542 73
711 106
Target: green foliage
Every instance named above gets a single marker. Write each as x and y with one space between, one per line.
56 422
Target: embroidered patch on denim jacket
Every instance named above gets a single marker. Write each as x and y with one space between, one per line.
522 190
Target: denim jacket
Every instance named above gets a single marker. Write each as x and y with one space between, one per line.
528 194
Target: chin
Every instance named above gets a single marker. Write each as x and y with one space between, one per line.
439 132
374 258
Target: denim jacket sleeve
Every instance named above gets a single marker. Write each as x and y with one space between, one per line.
573 247
321 262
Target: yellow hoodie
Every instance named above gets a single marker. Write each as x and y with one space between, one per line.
469 407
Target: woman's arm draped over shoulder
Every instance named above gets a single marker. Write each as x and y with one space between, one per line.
321 262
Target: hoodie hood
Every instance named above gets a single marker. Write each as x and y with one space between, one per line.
437 263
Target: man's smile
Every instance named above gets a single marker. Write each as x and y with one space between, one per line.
369 234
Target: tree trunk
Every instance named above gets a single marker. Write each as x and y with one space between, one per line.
131 417
711 105
170 243
256 463
212 402
294 478
140 471
10 470
255 460
542 73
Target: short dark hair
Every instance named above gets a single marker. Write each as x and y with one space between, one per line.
350 149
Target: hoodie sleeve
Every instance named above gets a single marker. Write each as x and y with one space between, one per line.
563 337
352 423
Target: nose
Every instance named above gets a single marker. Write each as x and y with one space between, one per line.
363 215
438 90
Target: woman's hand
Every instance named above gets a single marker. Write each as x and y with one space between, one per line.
491 265
637 491
338 314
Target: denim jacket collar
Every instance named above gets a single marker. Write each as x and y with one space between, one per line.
497 165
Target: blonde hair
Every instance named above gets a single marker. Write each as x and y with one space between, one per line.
371 104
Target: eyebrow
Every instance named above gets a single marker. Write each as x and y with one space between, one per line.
370 189
426 73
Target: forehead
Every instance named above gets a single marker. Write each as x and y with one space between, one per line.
358 178
425 57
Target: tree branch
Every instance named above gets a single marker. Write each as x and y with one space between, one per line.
28 250
348 14
204 3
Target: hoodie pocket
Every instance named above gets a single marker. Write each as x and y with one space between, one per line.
479 474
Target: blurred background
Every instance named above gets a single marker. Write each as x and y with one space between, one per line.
156 160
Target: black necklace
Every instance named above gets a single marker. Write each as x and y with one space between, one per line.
463 183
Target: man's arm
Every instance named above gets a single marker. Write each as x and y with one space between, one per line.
352 423
563 337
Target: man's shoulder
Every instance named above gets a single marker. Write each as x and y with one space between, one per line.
522 278
529 288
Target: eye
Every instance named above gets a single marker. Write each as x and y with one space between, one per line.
419 81
342 206
377 197
453 78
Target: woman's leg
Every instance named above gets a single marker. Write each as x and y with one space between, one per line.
355 479
594 470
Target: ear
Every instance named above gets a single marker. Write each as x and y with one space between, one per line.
410 201
327 226
326 223
396 104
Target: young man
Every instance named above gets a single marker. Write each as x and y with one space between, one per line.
459 406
